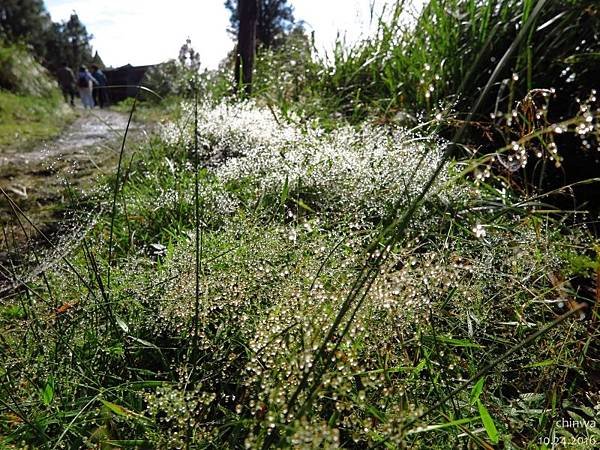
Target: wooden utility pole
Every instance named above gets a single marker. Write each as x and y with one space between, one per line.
244 61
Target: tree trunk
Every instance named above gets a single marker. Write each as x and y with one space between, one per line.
244 61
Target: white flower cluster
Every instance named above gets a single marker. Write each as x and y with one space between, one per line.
362 171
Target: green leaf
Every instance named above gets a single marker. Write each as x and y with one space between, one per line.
587 410
116 350
284 192
333 419
122 411
488 423
47 393
451 341
303 205
122 324
374 412
145 384
544 363
583 57
422 364
118 409
440 426
127 443
476 391
144 343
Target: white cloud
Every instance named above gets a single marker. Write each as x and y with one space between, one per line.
150 31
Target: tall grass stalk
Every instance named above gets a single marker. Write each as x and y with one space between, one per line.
198 226
504 61
116 190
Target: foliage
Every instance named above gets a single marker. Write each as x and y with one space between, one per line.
21 73
275 21
75 41
289 220
282 78
31 108
174 77
281 75
28 22
26 120
436 67
258 276
164 79
24 20
452 49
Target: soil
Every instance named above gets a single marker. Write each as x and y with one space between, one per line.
36 179
88 144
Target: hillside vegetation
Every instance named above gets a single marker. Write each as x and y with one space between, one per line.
31 108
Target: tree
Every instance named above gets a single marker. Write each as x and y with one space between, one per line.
28 22
78 41
189 58
25 21
275 20
246 47
56 48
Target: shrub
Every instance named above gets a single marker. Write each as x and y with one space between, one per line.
451 50
21 73
533 63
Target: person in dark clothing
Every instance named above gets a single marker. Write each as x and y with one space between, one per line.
100 88
66 81
85 84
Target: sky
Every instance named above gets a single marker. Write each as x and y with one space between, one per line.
142 32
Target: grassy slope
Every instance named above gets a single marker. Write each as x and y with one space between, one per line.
30 106
26 120
286 221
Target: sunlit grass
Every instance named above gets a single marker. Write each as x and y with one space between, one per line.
279 278
26 121
471 278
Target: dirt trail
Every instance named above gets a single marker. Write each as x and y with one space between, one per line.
89 141
35 178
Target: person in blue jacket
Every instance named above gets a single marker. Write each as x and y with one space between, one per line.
99 88
85 83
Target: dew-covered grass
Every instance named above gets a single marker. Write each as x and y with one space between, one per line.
260 274
351 288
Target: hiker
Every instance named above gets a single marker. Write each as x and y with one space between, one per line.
66 80
85 83
99 92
